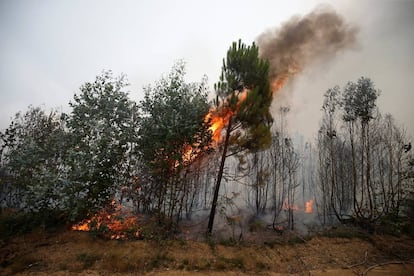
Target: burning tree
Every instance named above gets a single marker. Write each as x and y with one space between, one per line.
173 134
242 104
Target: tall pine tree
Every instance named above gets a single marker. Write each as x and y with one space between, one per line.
244 95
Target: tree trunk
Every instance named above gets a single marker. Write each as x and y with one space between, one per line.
357 207
334 191
368 174
218 182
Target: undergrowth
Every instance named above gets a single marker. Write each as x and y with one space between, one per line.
18 223
347 232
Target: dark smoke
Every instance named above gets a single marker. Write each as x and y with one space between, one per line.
317 35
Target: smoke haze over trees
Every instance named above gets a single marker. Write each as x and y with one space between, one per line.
366 169
168 158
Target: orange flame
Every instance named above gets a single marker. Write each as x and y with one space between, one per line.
308 207
277 83
120 224
218 121
83 226
220 117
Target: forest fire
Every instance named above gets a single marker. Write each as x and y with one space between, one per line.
218 121
278 82
113 222
308 207
288 49
219 117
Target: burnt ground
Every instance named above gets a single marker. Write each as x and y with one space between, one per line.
78 253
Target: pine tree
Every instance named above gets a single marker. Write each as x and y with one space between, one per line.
244 95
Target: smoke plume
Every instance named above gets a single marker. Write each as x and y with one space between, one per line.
318 35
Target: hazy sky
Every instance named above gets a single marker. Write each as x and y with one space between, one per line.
49 48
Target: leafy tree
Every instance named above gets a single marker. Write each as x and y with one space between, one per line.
364 158
244 97
32 153
359 103
173 133
103 125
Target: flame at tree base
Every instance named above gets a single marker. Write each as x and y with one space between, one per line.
113 223
308 207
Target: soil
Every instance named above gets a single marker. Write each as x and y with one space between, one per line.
78 253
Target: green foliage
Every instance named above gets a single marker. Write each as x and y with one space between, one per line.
347 232
244 95
359 100
244 72
53 163
13 224
33 150
408 226
103 132
409 206
172 134
173 113
391 224
158 228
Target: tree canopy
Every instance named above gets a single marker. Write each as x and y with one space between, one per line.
173 133
244 91
103 126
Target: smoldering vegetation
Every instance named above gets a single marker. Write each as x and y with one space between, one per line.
158 158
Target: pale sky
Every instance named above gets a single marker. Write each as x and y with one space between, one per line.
49 48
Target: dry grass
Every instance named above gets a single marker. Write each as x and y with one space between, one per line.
68 252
